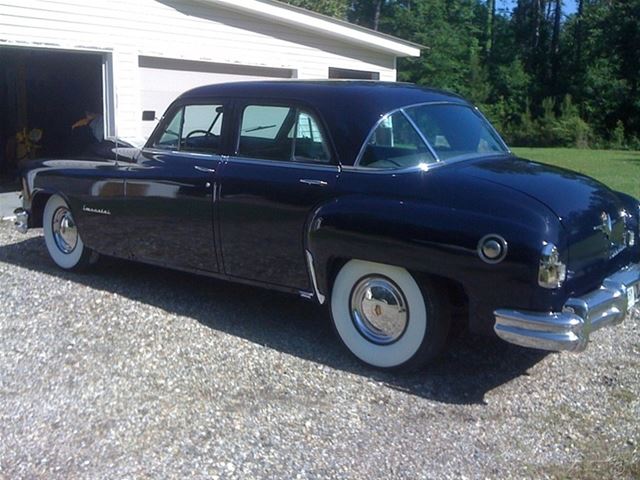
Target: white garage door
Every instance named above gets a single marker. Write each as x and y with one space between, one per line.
162 80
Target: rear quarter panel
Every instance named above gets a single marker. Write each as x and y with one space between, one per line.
431 222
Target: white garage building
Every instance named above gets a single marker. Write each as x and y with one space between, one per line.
61 57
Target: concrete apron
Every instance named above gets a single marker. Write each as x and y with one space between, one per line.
8 203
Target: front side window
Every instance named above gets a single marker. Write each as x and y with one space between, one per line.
194 128
281 133
410 137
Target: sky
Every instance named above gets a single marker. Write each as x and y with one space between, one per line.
569 6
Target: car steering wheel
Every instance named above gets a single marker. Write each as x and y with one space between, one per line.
193 132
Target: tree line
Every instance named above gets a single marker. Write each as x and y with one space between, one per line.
543 77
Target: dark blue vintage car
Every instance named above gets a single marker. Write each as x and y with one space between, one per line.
399 207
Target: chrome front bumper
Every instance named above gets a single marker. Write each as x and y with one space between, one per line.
21 222
570 329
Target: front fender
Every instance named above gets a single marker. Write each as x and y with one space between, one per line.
97 185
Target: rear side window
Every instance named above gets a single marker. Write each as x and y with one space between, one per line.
194 128
395 144
281 133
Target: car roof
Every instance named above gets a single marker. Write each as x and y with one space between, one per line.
349 108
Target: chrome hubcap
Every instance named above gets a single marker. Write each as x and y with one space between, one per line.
64 229
379 310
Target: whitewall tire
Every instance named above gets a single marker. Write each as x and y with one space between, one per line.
385 318
61 236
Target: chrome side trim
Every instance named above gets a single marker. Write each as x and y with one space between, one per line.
424 167
331 167
183 153
570 329
21 220
312 272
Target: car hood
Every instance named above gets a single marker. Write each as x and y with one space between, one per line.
571 196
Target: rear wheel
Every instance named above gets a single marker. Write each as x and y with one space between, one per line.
385 318
62 238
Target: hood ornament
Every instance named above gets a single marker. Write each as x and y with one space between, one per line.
606 226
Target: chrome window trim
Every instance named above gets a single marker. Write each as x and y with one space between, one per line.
421 135
356 165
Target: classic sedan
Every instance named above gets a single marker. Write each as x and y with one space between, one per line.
399 207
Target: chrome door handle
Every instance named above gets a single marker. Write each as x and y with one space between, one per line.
204 169
308 181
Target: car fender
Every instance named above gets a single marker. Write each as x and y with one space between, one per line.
427 238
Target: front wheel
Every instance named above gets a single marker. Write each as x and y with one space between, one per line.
385 318
62 238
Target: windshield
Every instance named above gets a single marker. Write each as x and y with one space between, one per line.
455 130
424 134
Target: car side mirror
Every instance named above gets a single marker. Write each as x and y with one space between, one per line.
148 115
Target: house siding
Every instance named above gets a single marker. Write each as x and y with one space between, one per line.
125 30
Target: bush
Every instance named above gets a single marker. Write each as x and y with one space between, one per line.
617 137
565 129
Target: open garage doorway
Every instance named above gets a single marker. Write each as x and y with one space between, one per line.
43 93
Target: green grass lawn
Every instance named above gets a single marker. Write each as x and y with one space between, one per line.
619 170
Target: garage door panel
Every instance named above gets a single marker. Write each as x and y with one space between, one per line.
160 86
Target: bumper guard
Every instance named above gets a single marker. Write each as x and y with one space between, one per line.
21 222
580 316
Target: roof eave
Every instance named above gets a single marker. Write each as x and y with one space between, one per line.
284 13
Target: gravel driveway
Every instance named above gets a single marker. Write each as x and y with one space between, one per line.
132 371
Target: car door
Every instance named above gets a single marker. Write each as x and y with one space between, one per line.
171 189
281 170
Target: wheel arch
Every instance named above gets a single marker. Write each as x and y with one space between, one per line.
39 201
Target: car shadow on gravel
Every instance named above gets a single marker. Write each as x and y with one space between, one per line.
471 367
